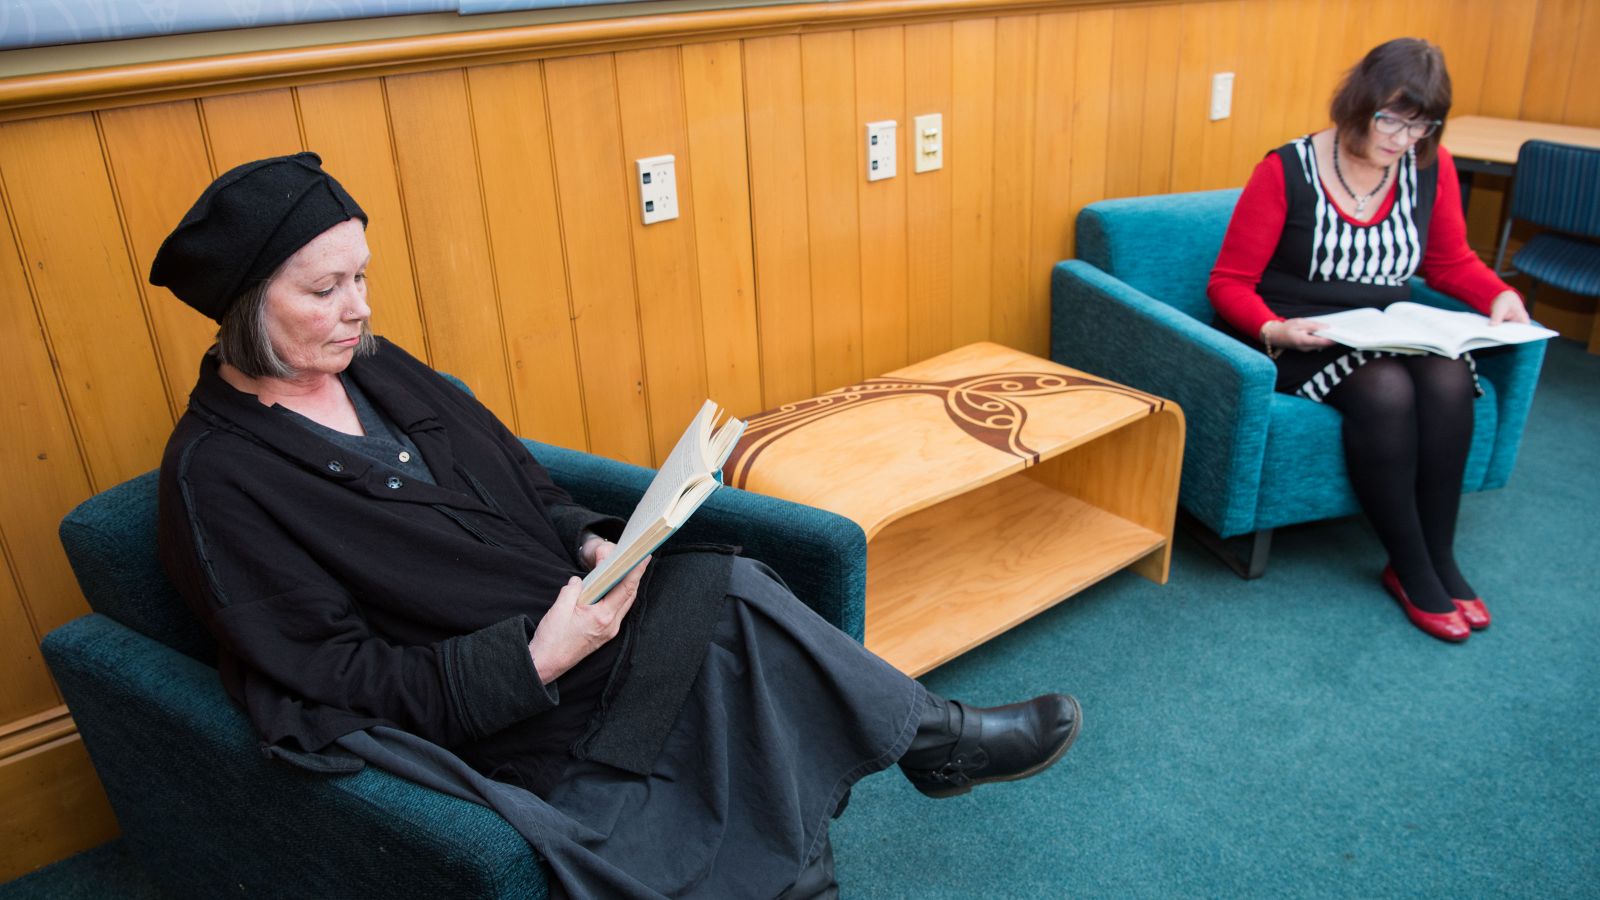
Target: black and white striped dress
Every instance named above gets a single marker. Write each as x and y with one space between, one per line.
1326 262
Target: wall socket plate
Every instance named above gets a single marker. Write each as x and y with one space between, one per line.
881 149
658 188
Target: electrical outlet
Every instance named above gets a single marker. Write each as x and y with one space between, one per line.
1221 95
658 188
929 131
881 149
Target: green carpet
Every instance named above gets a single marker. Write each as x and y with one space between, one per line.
1295 736
1292 736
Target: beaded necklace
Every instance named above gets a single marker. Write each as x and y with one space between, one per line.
1361 202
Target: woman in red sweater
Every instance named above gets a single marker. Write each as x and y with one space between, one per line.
1341 219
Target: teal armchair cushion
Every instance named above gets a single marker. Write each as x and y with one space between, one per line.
1133 308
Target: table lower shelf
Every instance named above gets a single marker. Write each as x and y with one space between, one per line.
944 580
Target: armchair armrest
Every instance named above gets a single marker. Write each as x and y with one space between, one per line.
822 556
1515 372
1103 326
206 813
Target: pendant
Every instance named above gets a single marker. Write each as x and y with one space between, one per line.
1361 206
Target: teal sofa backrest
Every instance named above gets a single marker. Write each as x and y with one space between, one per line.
110 540
1162 245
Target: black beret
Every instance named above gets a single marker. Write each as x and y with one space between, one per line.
251 219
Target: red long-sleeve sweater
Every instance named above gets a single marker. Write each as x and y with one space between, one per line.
1448 263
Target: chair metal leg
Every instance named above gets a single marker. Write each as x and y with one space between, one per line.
1500 250
1250 564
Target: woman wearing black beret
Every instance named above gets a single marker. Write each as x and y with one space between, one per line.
377 555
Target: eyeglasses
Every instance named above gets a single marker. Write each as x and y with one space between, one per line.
1388 124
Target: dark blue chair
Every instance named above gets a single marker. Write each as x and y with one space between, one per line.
207 815
1557 187
1133 308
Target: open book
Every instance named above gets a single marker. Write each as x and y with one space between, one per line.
1417 328
691 472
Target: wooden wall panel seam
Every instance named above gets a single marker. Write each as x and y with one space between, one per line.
205 135
970 154
805 168
750 211
833 203
561 236
20 246
880 93
779 183
494 275
655 453
15 574
718 196
426 350
141 284
686 200
299 117
1171 112
1016 93
858 182
1552 22
1583 107
929 64
908 159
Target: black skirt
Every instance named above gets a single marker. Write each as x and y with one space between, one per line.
787 713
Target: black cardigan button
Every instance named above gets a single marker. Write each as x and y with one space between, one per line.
335 466
394 483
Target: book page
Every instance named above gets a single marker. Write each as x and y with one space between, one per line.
1407 327
686 478
1369 329
679 469
1463 331
685 462
1450 329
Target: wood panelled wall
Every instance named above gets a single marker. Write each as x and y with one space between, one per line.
507 249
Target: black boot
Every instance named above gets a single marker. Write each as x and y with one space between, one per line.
958 746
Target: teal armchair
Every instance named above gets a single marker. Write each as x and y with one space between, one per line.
1133 307
207 814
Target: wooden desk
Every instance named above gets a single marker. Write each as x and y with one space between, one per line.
991 485
1490 145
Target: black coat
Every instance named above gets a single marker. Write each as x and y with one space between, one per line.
702 753
344 595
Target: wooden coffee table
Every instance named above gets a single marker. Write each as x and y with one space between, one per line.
991 485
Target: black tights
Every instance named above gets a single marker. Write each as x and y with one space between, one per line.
1407 427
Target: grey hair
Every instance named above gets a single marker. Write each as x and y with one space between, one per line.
243 341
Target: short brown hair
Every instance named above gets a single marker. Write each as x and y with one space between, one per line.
1407 75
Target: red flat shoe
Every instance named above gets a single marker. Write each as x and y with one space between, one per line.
1450 626
1476 614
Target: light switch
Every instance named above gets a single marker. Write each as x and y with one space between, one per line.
929 142
658 188
1221 95
881 149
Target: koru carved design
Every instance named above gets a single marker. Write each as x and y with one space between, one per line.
983 406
